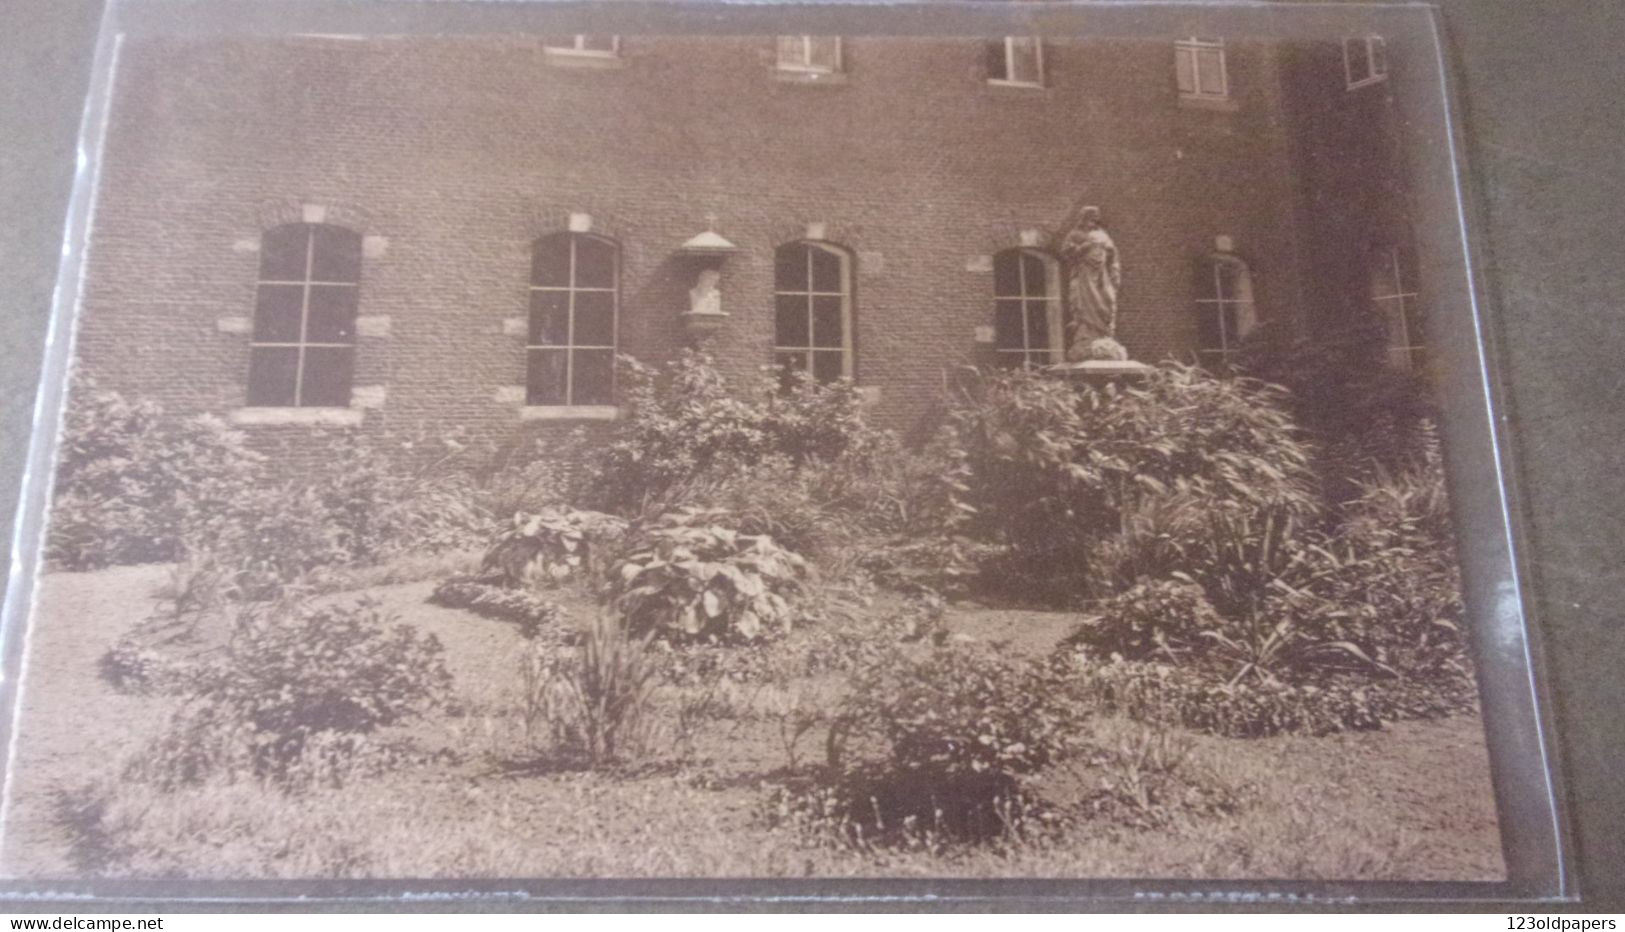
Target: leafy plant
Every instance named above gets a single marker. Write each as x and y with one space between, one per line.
551 545
1164 619
689 575
299 687
129 477
595 699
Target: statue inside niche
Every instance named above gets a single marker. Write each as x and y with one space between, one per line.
705 297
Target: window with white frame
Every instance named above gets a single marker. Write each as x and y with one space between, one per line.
1016 60
589 46
1200 70
574 305
302 352
812 310
1394 300
810 54
1365 60
1026 308
1224 308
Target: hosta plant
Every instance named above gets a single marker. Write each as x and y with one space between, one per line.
551 545
694 577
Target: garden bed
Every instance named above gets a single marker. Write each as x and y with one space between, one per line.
1411 801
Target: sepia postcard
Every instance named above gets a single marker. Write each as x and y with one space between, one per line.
491 446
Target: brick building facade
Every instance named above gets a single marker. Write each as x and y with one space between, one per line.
461 200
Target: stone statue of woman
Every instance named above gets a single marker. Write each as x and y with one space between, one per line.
1094 273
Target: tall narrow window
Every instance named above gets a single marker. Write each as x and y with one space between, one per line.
1017 60
812 298
574 303
1365 60
303 348
591 46
1394 299
1224 308
810 54
1200 69
1026 308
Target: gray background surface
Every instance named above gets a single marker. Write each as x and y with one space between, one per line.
1542 86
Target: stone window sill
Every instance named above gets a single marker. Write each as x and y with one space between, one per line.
579 58
314 417
568 413
809 77
1220 104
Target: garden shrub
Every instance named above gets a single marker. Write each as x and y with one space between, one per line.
683 424
129 477
1164 619
690 575
1053 470
296 694
393 496
934 748
537 616
551 545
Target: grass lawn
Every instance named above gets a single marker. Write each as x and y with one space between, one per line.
1410 802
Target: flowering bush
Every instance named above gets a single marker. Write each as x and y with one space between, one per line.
691 576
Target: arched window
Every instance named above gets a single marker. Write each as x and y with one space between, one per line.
303 349
1026 308
574 305
1394 300
1224 308
812 300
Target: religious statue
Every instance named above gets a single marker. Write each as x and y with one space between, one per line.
705 297
1094 274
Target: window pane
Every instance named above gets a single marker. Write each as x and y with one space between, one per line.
827 366
825 54
592 371
997 68
328 371
1355 55
1210 71
826 271
1225 275
1185 67
549 318
1033 272
1007 332
827 321
550 262
1209 336
1007 275
1379 56
1037 325
544 377
791 51
790 267
1024 63
335 254
276 314
790 321
332 314
272 372
282 253
595 318
595 263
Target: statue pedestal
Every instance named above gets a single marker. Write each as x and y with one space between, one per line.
1100 371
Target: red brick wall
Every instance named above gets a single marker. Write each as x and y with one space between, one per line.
460 151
